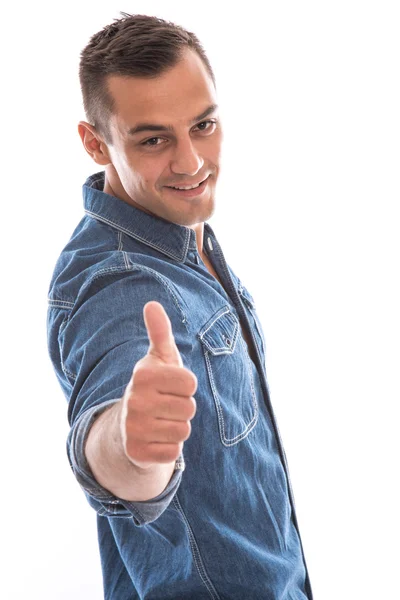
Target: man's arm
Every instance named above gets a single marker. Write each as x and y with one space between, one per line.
132 446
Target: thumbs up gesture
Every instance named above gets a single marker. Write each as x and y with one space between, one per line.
158 403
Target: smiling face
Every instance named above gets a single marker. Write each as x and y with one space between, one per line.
165 132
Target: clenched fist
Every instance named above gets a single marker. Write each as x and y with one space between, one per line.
158 402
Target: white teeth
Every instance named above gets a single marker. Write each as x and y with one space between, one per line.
192 187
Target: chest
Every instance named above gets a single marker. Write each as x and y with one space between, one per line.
245 334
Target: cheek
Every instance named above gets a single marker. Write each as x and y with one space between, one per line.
215 149
122 164
148 180
133 170
154 173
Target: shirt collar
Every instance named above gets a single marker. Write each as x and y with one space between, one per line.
173 240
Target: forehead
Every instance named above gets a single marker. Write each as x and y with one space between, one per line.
175 96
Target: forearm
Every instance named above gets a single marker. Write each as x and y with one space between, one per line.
112 468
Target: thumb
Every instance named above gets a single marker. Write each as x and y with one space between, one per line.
161 338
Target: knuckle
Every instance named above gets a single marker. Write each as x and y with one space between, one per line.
186 430
193 407
136 407
132 428
175 433
191 382
168 454
194 382
169 404
134 450
139 430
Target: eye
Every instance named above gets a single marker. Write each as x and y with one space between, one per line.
209 126
150 140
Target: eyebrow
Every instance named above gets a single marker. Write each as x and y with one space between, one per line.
153 127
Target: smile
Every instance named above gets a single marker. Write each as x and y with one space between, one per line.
189 191
187 187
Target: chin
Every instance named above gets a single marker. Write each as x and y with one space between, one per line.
193 218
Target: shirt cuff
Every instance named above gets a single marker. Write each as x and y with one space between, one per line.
101 499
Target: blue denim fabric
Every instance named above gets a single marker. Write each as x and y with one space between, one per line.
225 526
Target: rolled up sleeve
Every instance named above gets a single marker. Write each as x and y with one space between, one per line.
98 350
105 503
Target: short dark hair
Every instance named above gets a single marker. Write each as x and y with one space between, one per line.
136 46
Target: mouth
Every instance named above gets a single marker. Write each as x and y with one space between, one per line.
191 193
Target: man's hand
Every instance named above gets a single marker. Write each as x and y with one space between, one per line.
158 402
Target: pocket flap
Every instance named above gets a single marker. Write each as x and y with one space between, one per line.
219 335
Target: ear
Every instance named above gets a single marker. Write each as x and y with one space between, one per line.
93 143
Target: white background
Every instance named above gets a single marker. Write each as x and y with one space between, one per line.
307 214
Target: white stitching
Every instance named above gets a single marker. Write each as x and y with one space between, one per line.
196 553
68 373
163 281
216 319
138 237
60 303
126 261
64 369
222 349
226 441
119 240
129 267
120 248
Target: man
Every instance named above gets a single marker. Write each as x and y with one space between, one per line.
157 345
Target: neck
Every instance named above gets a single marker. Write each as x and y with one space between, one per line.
199 231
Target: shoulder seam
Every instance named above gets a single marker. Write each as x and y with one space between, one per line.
128 267
164 282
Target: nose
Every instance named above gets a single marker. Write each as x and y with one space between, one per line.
186 160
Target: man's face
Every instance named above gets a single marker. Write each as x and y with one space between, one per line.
146 164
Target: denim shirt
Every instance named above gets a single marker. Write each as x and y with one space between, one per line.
225 525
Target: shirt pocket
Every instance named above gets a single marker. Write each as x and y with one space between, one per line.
230 375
